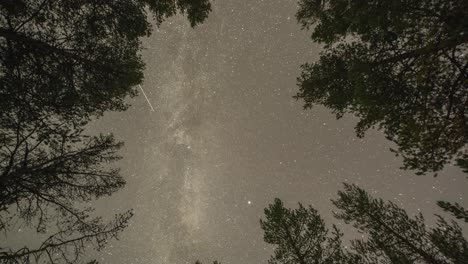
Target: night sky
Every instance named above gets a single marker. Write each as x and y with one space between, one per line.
226 137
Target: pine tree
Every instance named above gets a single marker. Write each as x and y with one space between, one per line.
457 210
399 66
47 175
390 235
300 236
394 237
61 64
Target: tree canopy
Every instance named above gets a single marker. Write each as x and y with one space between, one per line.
48 171
389 234
300 236
74 59
455 209
400 66
62 63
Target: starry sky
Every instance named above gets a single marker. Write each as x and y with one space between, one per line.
226 137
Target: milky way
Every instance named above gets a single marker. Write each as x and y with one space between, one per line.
226 137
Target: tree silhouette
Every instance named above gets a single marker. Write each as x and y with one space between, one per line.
75 59
62 63
462 162
47 173
389 234
68 244
457 210
394 236
399 66
300 236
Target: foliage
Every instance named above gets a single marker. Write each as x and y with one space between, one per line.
389 234
47 173
395 237
457 210
463 163
68 244
300 236
75 59
197 10
61 64
400 66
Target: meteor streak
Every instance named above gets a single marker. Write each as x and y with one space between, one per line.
147 100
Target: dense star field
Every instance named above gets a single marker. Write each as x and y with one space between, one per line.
227 137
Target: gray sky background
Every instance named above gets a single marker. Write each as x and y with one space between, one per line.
226 131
